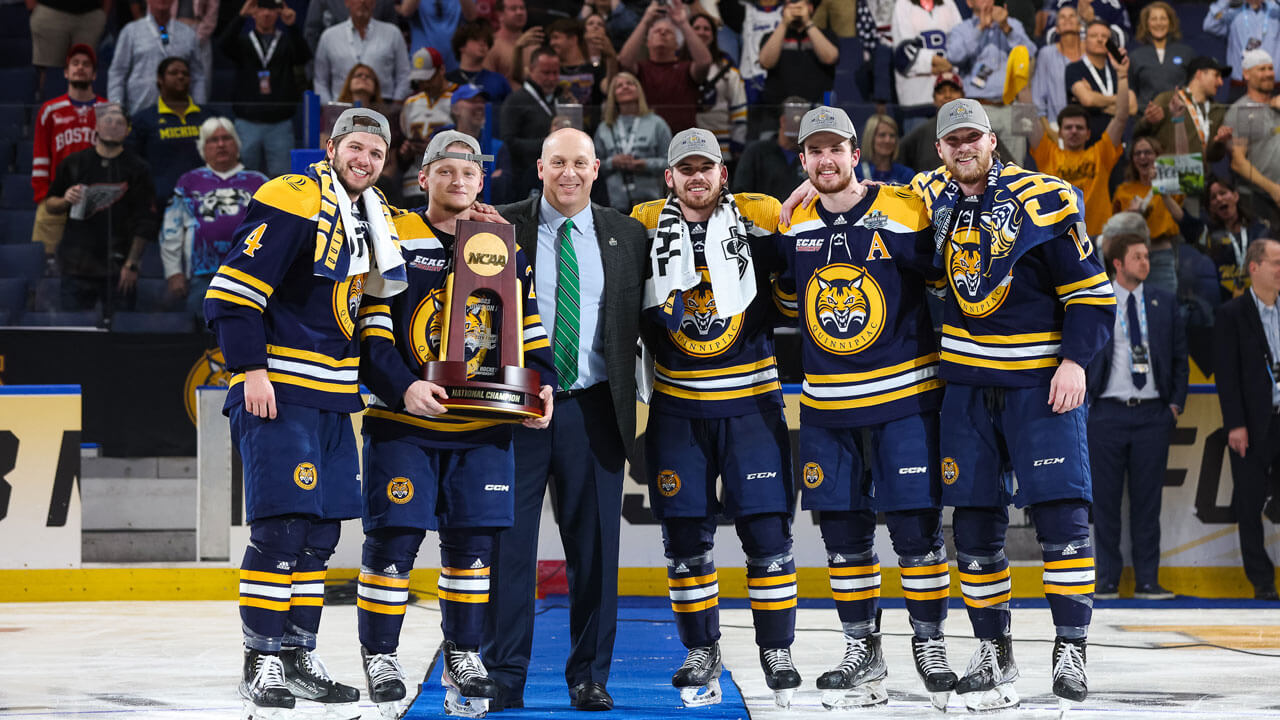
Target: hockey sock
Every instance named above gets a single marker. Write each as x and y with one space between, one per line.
465 557
853 568
771 577
1063 531
266 579
383 590
307 600
922 558
692 581
984 570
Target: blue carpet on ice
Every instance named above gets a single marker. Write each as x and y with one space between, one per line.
647 651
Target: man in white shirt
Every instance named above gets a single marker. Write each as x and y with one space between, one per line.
361 39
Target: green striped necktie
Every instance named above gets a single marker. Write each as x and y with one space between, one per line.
568 313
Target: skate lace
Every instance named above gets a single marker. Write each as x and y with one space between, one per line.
467 666
313 666
778 659
932 656
697 657
1069 663
385 668
269 672
856 651
984 660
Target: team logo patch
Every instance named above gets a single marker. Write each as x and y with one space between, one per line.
702 332
346 303
210 369
812 475
305 476
844 309
950 471
400 490
965 274
668 483
874 220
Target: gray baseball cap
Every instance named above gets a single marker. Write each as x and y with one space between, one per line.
694 141
436 148
362 120
825 118
962 113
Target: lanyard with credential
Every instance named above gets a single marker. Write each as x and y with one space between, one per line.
538 96
1198 116
1142 325
264 56
1105 84
161 39
626 143
1238 246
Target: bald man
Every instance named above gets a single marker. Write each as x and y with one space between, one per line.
573 245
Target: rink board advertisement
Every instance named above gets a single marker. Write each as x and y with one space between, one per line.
39 477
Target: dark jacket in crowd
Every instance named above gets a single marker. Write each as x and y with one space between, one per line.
283 65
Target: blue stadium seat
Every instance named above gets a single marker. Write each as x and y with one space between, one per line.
150 265
48 295
153 296
152 322
16 52
15 226
13 298
80 318
22 260
15 192
18 85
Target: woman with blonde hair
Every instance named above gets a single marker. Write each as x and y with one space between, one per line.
631 143
879 150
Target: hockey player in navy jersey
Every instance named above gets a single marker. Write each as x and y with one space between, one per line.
426 470
858 262
716 411
1028 307
283 305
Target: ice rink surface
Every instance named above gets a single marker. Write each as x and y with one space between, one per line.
169 660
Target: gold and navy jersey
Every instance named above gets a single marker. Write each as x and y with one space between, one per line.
1025 285
856 283
399 335
270 310
705 365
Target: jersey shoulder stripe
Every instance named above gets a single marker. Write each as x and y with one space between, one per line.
904 209
762 210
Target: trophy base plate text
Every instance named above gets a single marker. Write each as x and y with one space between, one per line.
512 396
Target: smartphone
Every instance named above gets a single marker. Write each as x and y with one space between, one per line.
1113 49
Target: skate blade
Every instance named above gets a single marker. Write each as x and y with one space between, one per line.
249 711
1001 697
456 704
313 710
393 710
782 698
940 700
1065 706
865 695
708 694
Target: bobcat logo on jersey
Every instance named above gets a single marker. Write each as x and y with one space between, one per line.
812 475
950 471
965 273
668 483
702 332
1003 222
210 369
845 309
400 490
346 303
305 476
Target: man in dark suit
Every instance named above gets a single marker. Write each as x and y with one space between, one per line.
1137 387
1247 372
589 264
526 118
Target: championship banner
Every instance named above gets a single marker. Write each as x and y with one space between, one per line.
39 476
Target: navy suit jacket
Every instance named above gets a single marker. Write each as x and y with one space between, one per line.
1167 341
1240 367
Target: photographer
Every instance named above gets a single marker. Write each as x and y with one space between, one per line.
800 60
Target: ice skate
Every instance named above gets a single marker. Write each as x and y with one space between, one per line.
779 674
468 688
931 663
266 697
858 681
385 679
1069 681
987 684
307 678
699 677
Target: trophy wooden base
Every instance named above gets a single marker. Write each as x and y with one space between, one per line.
511 397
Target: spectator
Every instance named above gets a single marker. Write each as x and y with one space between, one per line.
722 105
1164 117
207 206
361 87
1248 25
1087 166
1109 12
268 63
511 21
64 125
880 144
920 146
600 48
361 39
107 191
578 77
919 40
165 133
1092 83
663 30
433 23
800 59
471 44
324 14
1162 212
526 118
632 145
753 21
772 166
1226 233
423 114
1255 147
1159 63
1048 89
980 48
620 17
1247 362
142 44
1137 387
59 25
202 17
467 109
874 21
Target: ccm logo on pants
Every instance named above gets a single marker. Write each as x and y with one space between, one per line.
1048 461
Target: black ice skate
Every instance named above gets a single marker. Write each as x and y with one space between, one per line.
699 677
931 662
468 688
1069 681
385 679
858 681
266 697
307 678
987 684
779 674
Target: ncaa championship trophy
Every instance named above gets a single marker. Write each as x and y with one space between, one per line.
482 339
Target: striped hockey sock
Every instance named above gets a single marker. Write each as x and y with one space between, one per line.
771 585
265 597
1068 586
855 585
985 582
694 588
381 598
926 584
464 595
